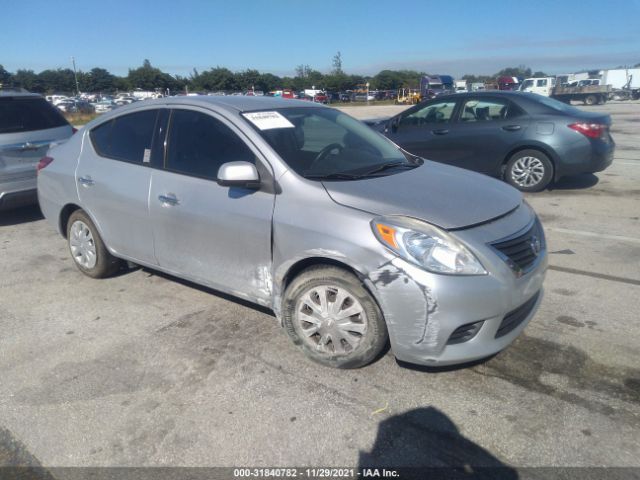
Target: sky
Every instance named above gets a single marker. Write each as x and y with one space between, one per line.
452 37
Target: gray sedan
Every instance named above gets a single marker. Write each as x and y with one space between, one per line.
526 139
351 241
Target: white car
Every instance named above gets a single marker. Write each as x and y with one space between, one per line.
104 106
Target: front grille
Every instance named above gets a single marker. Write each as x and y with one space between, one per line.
515 317
464 333
521 252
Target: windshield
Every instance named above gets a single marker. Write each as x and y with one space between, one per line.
321 143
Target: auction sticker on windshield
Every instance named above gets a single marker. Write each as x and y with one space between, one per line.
267 120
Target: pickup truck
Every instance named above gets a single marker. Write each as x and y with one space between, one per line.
588 94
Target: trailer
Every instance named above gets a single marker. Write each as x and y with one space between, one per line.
588 94
624 82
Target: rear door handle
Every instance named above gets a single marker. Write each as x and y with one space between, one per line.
442 131
168 200
86 181
512 128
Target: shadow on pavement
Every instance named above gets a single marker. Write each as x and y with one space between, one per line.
20 215
425 443
575 182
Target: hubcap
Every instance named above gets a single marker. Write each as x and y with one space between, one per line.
527 171
83 247
330 320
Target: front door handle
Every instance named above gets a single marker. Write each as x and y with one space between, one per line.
512 128
168 200
442 131
86 181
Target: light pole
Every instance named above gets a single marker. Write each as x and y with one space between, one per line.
75 75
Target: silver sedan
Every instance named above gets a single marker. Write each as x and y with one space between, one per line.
353 242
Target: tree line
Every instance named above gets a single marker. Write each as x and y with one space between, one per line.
148 77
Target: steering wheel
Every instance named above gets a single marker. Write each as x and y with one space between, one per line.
324 152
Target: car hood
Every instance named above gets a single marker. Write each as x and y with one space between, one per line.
445 196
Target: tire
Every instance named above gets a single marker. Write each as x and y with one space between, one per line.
89 253
590 100
360 340
529 170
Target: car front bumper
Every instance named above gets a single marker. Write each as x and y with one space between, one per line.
424 311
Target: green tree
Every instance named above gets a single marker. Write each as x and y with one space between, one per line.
337 64
99 80
61 80
150 78
5 77
26 79
121 84
519 71
214 79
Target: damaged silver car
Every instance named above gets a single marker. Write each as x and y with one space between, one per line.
351 241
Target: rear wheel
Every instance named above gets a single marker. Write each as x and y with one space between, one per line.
87 249
529 170
333 319
590 100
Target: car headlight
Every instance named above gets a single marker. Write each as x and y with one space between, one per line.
425 245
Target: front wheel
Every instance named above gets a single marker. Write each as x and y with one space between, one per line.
334 320
529 171
87 249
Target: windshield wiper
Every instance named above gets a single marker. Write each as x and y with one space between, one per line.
388 166
334 176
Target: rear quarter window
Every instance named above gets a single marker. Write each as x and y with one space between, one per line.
126 137
28 114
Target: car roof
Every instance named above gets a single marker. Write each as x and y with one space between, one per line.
17 93
236 103
232 104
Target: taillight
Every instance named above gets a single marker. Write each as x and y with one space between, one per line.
591 130
44 161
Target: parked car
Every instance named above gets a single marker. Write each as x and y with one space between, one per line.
28 125
125 100
526 139
75 106
104 106
345 97
320 97
64 105
349 239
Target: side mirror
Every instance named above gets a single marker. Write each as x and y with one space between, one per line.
238 174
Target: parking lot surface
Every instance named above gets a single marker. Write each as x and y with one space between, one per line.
145 369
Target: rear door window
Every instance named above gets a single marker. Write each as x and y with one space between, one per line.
486 110
27 114
198 144
127 138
